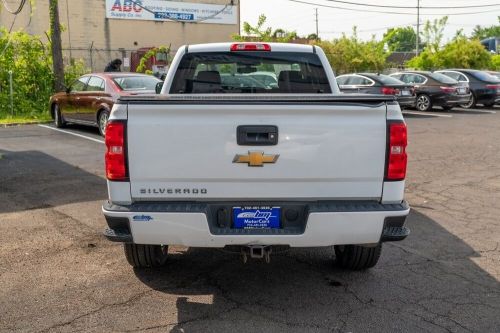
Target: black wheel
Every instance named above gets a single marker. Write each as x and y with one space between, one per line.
356 257
424 103
471 104
447 107
58 118
142 256
102 121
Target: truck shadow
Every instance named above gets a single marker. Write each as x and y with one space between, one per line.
427 282
32 180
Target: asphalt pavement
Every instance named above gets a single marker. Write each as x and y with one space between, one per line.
59 274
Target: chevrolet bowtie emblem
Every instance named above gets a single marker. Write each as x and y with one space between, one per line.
255 158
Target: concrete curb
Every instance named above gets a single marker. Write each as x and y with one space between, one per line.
26 123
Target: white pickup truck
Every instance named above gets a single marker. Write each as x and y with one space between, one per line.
250 146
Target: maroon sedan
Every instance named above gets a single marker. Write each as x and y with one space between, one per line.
89 99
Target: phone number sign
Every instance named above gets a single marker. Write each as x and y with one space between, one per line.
160 10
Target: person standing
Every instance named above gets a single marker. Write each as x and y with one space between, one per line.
113 66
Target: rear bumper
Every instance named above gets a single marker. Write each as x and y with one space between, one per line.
491 98
451 99
407 101
199 224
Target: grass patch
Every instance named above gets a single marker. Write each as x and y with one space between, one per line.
7 119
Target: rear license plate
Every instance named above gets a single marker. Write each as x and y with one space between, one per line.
256 217
461 91
405 93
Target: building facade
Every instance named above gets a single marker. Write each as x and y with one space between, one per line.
98 31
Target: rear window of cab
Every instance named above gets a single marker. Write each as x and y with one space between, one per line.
250 72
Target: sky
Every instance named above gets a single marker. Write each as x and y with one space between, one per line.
332 22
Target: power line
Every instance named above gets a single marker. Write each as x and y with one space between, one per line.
12 11
404 7
409 24
387 12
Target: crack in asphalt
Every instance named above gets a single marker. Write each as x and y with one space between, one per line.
89 313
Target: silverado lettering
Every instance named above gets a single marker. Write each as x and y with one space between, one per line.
173 191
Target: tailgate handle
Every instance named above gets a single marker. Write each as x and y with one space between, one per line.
257 135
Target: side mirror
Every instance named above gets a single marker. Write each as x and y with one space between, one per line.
158 87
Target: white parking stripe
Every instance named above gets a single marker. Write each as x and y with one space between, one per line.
475 110
428 114
72 133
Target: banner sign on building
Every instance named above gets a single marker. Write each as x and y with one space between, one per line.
161 10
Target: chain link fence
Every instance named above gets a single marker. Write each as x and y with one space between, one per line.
96 59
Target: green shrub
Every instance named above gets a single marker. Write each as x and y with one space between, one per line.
74 71
32 75
30 63
495 62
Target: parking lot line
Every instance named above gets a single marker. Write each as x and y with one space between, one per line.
428 114
72 133
475 110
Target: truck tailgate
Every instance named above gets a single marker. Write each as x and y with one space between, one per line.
185 151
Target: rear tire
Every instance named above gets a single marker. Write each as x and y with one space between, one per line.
102 121
356 257
145 256
471 104
424 103
58 118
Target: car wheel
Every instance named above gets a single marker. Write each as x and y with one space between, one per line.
102 121
356 257
424 103
58 118
447 107
471 104
144 256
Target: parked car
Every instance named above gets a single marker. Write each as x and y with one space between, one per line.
230 82
485 87
268 78
435 89
495 74
89 99
369 83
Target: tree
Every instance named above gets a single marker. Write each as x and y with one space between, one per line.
460 52
433 33
350 54
258 32
495 62
55 42
486 32
401 39
313 36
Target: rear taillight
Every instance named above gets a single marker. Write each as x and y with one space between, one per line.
115 157
250 47
390 91
493 86
396 151
448 90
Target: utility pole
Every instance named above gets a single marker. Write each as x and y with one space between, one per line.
317 30
55 42
418 26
